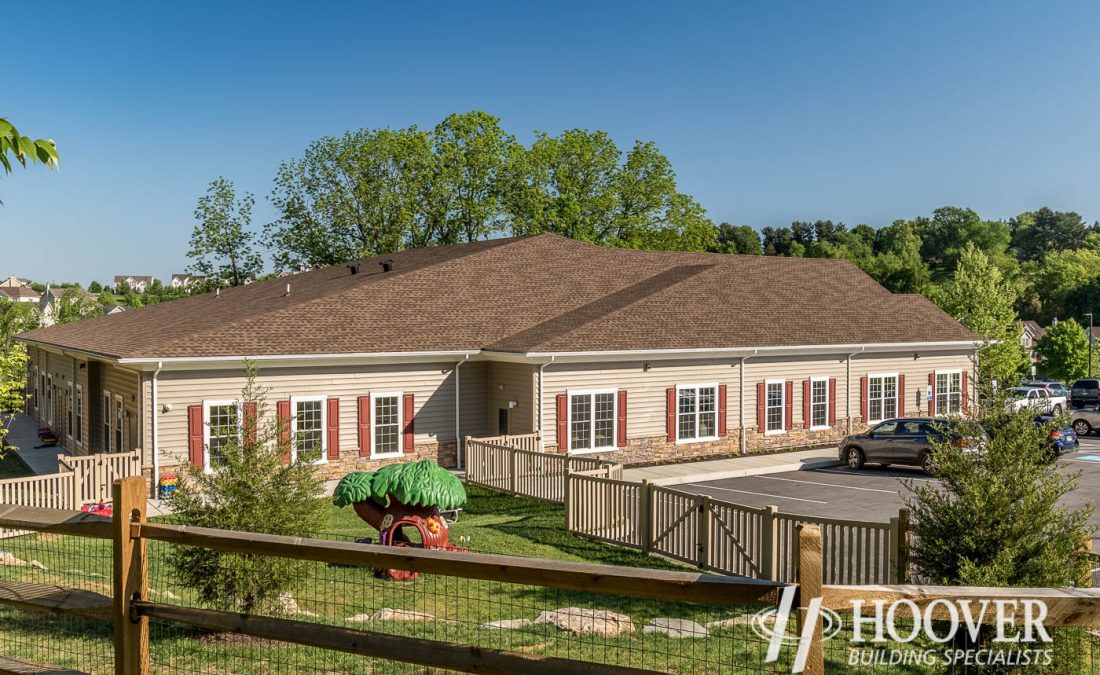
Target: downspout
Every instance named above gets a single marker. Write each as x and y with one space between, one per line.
542 366
153 430
741 401
458 414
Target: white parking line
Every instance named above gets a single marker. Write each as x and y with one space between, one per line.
842 487
840 472
758 494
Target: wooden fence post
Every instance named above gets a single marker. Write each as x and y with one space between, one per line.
704 543
902 544
769 543
809 587
130 578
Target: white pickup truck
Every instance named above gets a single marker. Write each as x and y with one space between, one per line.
1036 398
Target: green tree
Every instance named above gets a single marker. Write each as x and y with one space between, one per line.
995 518
737 239
15 318
95 287
899 266
74 304
946 235
1038 233
981 299
1064 352
222 244
253 490
1058 282
13 378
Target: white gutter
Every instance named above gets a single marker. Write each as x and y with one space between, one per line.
752 351
542 436
458 415
153 430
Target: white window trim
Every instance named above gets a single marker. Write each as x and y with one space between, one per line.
717 412
71 421
206 406
782 408
120 407
50 403
78 414
569 394
820 427
400 423
294 401
936 379
897 392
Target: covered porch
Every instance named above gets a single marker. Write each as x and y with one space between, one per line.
38 453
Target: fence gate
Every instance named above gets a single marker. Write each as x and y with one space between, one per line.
676 518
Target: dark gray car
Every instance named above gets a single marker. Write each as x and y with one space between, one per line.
898 441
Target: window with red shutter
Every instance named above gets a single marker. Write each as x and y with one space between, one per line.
282 418
723 427
195 435
332 421
363 409
562 422
789 406
622 419
408 436
832 401
901 395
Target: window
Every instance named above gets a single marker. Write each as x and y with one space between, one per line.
386 423
882 397
120 420
78 412
774 393
49 399
819 403
592 420
34 388
309 429
106 421
222 429
885 429
949 393
696 412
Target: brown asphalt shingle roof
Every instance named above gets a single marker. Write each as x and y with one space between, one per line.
524 294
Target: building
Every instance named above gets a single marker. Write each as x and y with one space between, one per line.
1029 339
108 310
15 282
49 303
138 284
184 280
19 294
642 356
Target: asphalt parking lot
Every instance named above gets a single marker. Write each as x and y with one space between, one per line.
871 493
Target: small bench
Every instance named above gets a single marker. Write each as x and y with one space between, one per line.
451 515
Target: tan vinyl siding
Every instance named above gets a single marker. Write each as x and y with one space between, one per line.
473 391
431 384
646 402
65 370
796 369
512 382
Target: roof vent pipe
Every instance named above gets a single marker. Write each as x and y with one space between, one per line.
387 265
354 268
287 290
217 292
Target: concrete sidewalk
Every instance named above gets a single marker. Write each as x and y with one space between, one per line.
23 436
736 467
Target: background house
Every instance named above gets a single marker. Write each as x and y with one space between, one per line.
19 294
643 356
139 284
15 282
184 280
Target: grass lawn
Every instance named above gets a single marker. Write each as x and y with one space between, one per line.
12 466
345 596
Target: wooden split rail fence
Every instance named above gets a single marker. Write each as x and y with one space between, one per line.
130 608
721 536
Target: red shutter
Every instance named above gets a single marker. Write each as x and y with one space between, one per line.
670 414
333 424
408 437
761 408
832 401
282 416
806 404
901 395
364 426
863 407
562 422
722 430
250 422
789 405
622 418
964 379
195 435
932 393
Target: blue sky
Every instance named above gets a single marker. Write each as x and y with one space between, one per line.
770 112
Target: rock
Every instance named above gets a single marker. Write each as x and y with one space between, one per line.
37 565
676 628
358 618
170 595
582 620
507 624
9 559
288 603
743 620
389 614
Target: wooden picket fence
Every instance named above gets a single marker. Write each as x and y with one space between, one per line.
757 542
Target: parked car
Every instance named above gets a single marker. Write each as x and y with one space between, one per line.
1062 439
906 441
1085 420
1086 393
1052 387
1036 398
